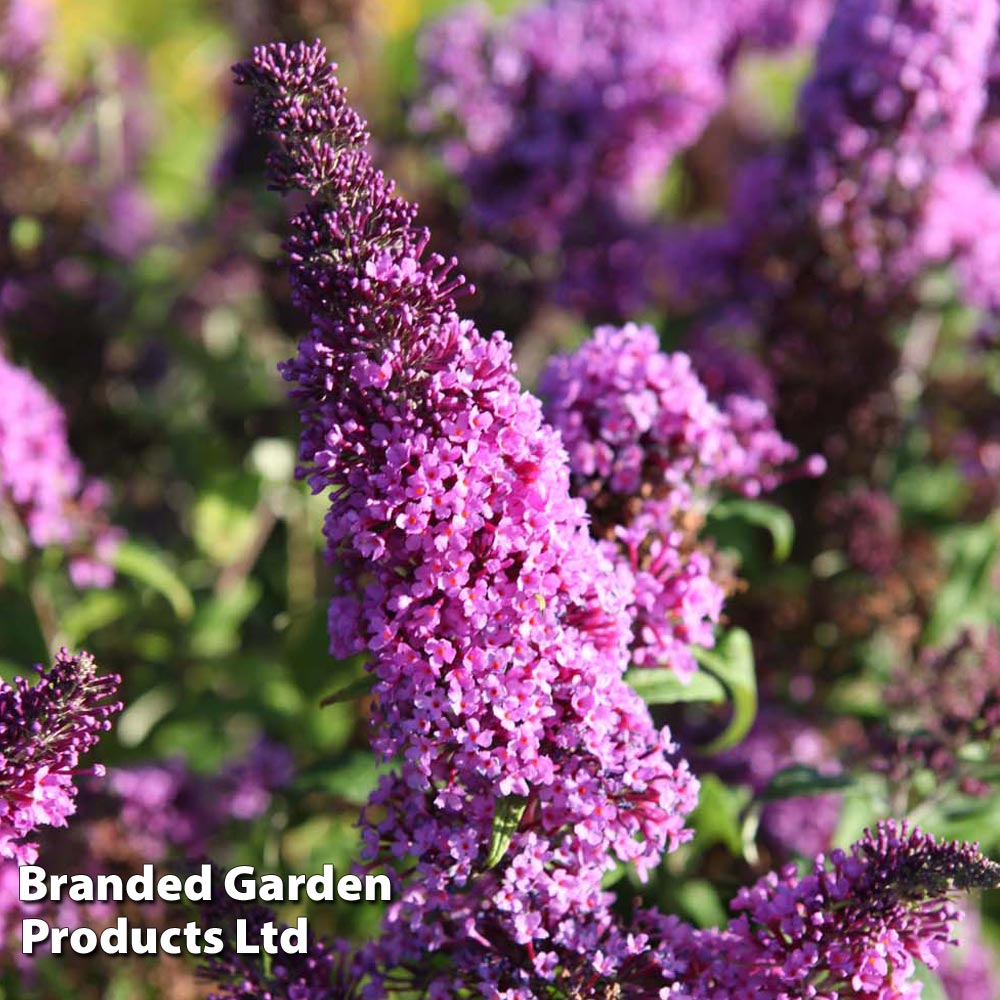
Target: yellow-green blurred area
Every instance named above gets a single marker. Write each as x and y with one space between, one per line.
187 47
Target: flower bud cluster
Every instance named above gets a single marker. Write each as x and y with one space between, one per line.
45 729
855 925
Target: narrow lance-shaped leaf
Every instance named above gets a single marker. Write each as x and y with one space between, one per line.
147 566
731 662
664 687
773 519
506 818
800 779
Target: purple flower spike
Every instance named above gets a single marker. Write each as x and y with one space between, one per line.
45 728
855 926
495 628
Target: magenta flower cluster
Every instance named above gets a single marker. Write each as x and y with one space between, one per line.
774 25
647 449
43 484
633 417
497 637
561 119
854 926
45 729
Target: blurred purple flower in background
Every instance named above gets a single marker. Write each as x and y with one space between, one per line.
970 971
798 826
169 809
43 484
562 119
827 234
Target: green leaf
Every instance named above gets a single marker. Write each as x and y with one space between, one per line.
356 689
26 234
215 630
731 662
95 610
698 900
143 714
773 519
506 818
612 877
925 490
968 595
717 818
801 780
864 804
145 565
664 687
352 778
223 522
933 988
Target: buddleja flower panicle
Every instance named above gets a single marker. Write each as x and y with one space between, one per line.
649 450
853 926
45 728
465 571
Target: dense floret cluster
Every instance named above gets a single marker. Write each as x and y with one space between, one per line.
47 727
497 637
853 926
634 419
648 449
